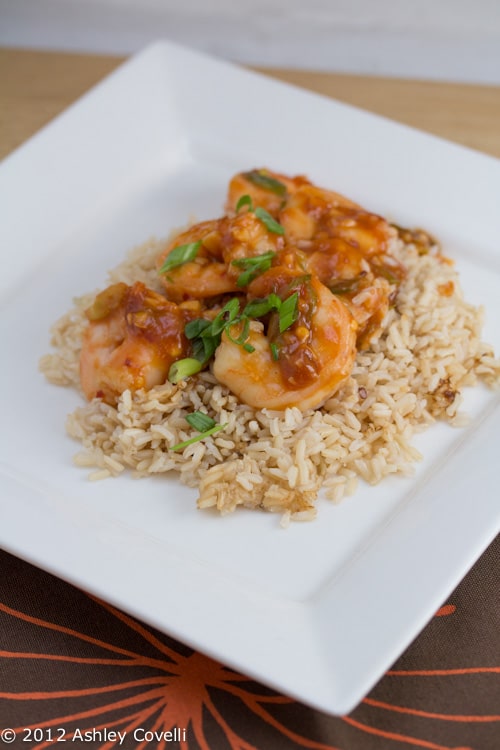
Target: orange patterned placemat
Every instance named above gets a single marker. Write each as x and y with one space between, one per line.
74 668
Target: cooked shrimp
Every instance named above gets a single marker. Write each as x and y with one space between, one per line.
265 188
347 248
212 271
205 275
347 273
246 236
301 366
369 303
133 336
314 213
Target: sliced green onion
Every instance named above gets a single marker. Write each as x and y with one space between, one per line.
274 351
253 266
200 422
183 368
265 181
245 200
243 335
257 308
180 255
288 312
231 309
386 273
203 348
246 277
209 344
249 348
201 436
268 221
298 281
254 260
344 286
195 327
201 351
205 334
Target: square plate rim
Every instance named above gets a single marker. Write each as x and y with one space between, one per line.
319 690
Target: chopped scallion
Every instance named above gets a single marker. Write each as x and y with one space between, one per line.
288 312
344 286
243 335
253 266
180 255
195 327
183 368
261 179
271 224
257 308
200 422
245 200
196 420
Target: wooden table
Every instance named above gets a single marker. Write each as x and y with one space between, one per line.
36 86
69 663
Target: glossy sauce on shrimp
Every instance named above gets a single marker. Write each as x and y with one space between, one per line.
276 297
133 337
302 365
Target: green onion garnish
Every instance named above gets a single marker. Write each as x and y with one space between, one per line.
257 308
271 224
205 336
288 312
200 422
265 181
245 200
180 255
244 333
253 266
224 317
344 286
204 348
246 277
274 351
199 437
297 281
195 327
183 368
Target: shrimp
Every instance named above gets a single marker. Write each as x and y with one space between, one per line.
214 270
246 236
266 189
313 213
351 277
134 335
205 275
347 248
302 366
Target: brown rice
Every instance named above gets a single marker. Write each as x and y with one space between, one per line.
413 374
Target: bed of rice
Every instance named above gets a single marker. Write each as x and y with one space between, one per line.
413 374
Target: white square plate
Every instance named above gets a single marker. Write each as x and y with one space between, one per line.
320 610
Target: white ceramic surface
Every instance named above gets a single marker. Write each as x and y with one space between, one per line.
320 610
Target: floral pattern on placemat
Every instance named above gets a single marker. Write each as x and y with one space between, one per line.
75 668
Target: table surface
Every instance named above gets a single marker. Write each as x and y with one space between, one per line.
69 663
36 86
